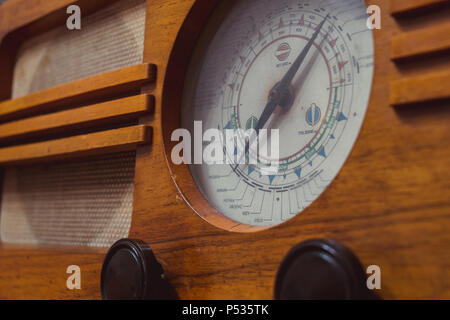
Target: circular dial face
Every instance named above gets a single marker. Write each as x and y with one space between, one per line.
302 67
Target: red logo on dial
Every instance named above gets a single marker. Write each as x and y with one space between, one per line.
283 51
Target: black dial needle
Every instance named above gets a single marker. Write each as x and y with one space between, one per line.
281 89
280 92
287 79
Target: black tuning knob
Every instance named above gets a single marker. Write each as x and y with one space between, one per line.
131 272
321 270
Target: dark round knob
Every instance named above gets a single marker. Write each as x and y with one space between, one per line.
321 270
131 272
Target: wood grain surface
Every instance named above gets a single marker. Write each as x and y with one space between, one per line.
402 6
92 144
390 203
420 88
423 41
96 115
95 87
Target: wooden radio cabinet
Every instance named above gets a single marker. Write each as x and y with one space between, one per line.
390 203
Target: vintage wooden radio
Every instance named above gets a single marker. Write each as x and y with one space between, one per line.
93 122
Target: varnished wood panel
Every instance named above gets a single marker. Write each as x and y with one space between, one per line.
39 272
421 42
94 87
420 88
390 203
98 143
401 6
80 118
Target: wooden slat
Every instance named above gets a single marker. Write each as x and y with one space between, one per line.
104 142
114 82
420 88
400 6
421 42
95 115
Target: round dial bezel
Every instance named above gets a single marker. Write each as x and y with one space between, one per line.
181 58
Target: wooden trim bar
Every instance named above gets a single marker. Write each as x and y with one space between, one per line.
95 87
420 89
105 142
95 115
401 6
421 42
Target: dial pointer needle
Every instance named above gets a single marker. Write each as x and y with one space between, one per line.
287 79
280 90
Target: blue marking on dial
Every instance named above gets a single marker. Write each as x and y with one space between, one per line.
342 117
313 115
271 178
322 152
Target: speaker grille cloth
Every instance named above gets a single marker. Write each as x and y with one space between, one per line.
109 39
87 203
